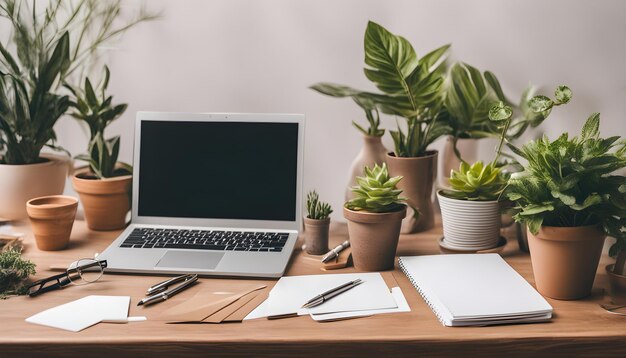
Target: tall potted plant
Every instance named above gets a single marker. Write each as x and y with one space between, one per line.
374 218
373 151
569 199
104 186
470 209
48 44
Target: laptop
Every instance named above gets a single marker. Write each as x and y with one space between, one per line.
213 194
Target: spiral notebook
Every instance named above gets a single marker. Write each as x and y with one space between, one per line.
475 290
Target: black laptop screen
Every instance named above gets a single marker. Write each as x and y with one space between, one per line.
218 170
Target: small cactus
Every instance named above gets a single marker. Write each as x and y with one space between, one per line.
317 210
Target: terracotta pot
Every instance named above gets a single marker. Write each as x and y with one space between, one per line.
106 201
52 218
316 236
374 238
617 286
565 260
417 186
372 152
20 183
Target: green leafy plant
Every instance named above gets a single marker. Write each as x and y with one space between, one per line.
94 107
46 47
316 209
368 106
570 182
14 271
376 192
478 181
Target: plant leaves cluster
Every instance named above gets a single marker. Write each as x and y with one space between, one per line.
376 191
570 181
477 182
94 107
316 209
14 271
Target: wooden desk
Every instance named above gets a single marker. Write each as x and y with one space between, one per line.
578 328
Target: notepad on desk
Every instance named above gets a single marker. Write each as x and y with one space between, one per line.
475 290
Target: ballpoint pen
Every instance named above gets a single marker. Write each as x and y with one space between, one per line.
169 293
335 252
165 284
323 297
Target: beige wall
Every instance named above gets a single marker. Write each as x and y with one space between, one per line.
260 56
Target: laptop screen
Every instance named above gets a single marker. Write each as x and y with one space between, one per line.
218 170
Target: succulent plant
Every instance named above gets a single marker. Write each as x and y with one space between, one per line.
477 182
316 209
376 192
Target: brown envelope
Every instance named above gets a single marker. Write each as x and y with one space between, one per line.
220 316
241 313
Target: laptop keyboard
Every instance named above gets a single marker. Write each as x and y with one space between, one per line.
148 238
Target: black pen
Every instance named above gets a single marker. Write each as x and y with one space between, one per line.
169 293
323 297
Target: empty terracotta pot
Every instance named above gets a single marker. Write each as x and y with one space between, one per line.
316 235
617 286
106 201
52 218
417 186
374 238
565 260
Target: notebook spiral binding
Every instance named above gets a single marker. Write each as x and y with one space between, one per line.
419 290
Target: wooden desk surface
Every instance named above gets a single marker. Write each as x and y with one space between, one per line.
578 328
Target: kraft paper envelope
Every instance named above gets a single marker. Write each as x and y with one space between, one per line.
244 311
220 316
203 305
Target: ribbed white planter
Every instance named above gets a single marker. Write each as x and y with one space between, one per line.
469 225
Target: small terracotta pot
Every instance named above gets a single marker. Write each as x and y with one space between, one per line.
316 235
419 174
372 152
617 286
106 201
565 260
374 238
52 218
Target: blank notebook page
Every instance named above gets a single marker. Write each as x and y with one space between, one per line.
473 286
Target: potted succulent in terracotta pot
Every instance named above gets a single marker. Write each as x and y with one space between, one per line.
570 200
373 151
316 224
374 219
104 186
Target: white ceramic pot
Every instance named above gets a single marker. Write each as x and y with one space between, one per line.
469 225
20 183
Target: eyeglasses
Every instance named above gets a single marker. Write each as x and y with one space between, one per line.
81 272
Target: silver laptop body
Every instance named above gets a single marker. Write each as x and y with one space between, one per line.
237 177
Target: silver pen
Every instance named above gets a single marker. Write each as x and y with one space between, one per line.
169 293
335 252
323 297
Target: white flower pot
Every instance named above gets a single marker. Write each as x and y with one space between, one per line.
469 225
20 183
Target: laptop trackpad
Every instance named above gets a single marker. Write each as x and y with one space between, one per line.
199 260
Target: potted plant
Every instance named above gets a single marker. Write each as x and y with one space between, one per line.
617 271
104 186
569 199
470 209
316 224
373 151
374 219
37 59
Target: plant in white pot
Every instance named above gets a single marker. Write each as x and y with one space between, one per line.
570 199
47 45
316 224
470 209
374 219
104 186
373 151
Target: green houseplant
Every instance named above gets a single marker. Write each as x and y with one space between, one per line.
470 209
47 45
374 219
14 271
373 151
316 224
105 185
570 199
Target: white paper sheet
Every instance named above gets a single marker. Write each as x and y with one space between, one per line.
259 312
403 306
85 312
290 293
